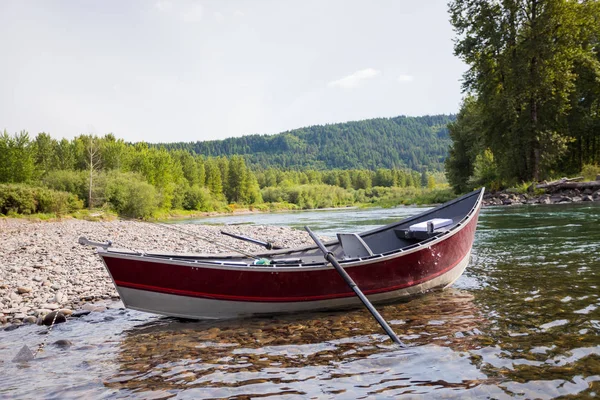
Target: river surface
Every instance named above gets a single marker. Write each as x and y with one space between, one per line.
522 322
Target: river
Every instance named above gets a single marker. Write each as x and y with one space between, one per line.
522 322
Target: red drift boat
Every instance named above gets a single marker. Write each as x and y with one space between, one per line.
421 253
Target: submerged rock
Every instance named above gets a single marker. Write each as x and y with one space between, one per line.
63 343
48 318
23 355
80 313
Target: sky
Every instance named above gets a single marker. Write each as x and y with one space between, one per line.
167 70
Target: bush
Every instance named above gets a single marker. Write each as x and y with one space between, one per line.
198 198
75 182
24 199
129 195
590 172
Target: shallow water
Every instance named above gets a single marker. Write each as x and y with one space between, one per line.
522 322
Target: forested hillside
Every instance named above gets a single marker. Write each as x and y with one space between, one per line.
402 142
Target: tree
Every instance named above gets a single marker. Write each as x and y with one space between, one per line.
235 180
45 153
93 161
467 143
17 158
522 56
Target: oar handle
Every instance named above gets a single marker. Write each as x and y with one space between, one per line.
331 258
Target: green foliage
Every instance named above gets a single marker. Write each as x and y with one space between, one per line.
129 195
309 196
25 199
534 74
199 198
75 182
17 158
590 172
141 180
485 171
400 142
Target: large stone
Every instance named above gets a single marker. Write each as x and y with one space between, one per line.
63 343
23 355
60 318
23 289
30 319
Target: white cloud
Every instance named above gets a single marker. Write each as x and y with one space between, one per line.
193 14
355 79
405 78
163 5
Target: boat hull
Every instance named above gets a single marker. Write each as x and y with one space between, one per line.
206 308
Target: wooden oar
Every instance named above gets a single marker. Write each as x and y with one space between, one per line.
331 258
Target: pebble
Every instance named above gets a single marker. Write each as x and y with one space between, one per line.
23 289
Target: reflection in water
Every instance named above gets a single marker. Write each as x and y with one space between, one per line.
339 353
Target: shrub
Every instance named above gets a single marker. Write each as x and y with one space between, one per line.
198 198
24 199
590 172
75 182
129 195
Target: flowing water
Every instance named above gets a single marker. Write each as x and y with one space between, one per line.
522 322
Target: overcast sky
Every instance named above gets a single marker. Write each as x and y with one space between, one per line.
164 71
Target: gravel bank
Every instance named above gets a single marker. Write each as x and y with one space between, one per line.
43 268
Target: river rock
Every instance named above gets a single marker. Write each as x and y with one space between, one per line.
30 319
63 343
60 297
80 313
49 306
23 289
23 355
60 318
11 327
15 297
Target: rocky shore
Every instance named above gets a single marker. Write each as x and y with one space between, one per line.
565 196
43 268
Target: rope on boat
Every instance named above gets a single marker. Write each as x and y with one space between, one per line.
43 344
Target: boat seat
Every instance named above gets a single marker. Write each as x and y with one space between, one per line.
353 245
424 230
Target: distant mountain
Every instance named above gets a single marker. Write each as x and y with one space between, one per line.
400 142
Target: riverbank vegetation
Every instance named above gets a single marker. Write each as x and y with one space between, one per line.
532 109
45 175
